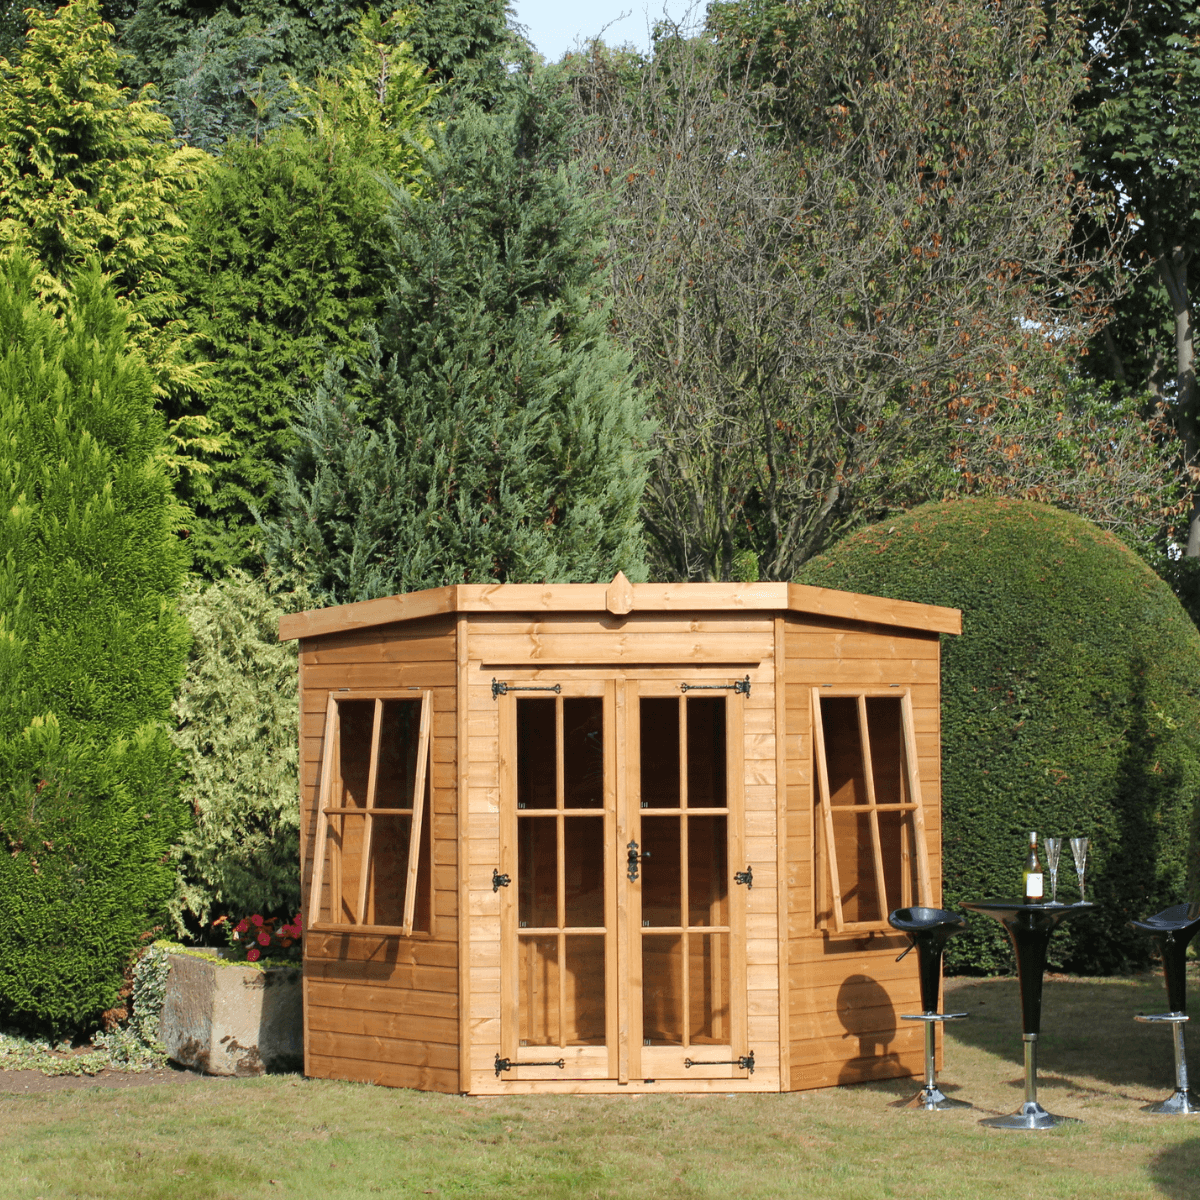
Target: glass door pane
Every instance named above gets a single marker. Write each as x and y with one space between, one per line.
683 883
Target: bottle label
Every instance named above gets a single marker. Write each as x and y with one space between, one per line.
1034 890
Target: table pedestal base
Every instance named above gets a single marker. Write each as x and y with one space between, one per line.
1031 1115
1179 1104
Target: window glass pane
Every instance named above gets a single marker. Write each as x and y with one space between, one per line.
539 990
661 876
843 750
584 984
886 738
343 854
708 988
537 872
583 870
388 877
706 752
856 866
583 753
660 752
399 734
708 876
896 839
662 989
356 720
537 755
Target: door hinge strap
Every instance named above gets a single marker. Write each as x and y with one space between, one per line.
746 877
507 1064
499 881
502 689
745 1063
742 687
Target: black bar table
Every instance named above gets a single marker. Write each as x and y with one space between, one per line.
1029 927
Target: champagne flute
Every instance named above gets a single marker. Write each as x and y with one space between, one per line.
1079 847
1053 850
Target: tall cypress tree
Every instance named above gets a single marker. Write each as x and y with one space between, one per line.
494 432
91 651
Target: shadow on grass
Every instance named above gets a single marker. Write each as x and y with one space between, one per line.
1175 1170
1087 1028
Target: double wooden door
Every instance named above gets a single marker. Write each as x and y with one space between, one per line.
622 881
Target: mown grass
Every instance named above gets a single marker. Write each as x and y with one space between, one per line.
287 1136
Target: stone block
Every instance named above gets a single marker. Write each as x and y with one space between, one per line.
227 1018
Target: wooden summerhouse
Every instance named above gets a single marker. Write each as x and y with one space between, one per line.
623 837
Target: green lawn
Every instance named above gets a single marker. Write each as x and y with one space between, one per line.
288 1136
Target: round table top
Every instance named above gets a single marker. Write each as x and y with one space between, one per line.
1035 914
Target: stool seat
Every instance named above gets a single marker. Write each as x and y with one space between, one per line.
928 930
1172 929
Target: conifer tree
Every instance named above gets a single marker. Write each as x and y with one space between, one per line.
494 432
288 267
91 651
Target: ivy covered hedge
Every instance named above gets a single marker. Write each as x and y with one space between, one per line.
1070 705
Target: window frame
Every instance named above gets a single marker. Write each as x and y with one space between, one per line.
823 838
325 811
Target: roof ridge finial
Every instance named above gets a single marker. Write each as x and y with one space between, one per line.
618 598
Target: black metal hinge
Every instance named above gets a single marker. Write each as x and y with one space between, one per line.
746 877
507 1064
745 1063
502 689
499 881
742 687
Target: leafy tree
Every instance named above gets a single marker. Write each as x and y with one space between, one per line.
91 651
288 267
1070 704
237 732
841 244
88 171
1140 123
496 434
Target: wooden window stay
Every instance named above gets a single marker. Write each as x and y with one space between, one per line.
373 795
870 828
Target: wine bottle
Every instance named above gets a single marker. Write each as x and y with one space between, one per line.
1034 889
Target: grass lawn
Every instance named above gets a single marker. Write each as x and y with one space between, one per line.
288 1136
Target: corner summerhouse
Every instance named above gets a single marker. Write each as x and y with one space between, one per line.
623 837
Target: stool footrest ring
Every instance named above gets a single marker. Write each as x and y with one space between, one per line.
1164 1018
933 1016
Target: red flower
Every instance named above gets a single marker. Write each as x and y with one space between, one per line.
264 938
296 922
256 920
253 953
242 925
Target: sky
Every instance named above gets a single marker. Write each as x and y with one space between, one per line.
552 25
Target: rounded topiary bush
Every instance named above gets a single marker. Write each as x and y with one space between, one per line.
1070 705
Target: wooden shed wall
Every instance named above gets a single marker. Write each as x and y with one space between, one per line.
845 992
551 647
382 1008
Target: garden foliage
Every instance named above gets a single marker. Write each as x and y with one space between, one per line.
237 732
494 433
89 170
1070 705
91 650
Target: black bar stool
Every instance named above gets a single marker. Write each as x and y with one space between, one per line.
928 930
1172 929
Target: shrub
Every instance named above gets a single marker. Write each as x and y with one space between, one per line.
91 651
1070 705
237 713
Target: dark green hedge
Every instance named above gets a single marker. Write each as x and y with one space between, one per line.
91 651
1070 705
